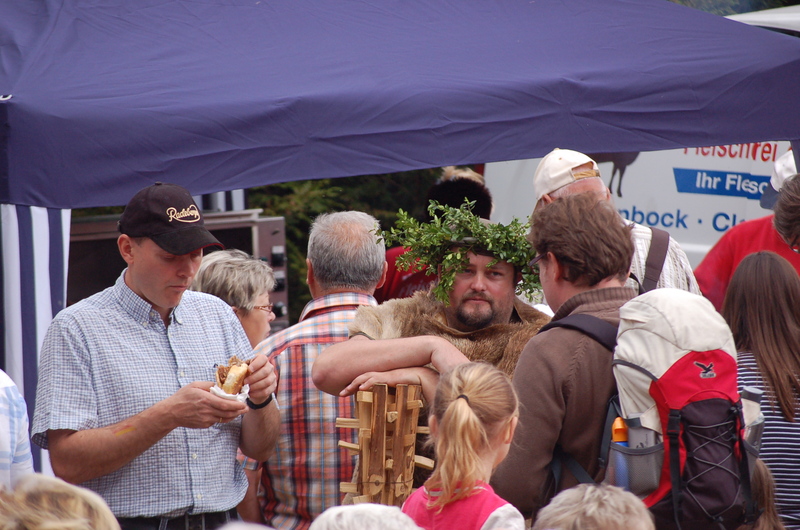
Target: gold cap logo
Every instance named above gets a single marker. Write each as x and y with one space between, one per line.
187 215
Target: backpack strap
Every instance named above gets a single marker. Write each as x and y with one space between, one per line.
659 245
606 334
751 510
673 434
595 327
562 457
645 371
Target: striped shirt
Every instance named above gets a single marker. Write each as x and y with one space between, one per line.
15 447
302 477
780 445
676 272
108 358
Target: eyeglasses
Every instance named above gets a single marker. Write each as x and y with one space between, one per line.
536 260
267 308
795 246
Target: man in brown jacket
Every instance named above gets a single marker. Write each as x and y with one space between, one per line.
563 376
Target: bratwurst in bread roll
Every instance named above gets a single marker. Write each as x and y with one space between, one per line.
231 378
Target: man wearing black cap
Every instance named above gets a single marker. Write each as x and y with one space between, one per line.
123 401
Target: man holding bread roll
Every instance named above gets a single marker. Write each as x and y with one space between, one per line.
124 403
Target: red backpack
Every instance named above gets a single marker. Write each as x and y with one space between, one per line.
675 367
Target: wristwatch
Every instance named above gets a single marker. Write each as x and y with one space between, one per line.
260 405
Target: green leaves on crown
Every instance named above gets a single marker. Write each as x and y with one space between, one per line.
448 238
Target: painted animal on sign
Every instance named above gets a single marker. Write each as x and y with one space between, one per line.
621 162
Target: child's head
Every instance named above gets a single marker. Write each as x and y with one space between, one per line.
40 501
763 487
363 516
595 507
473 417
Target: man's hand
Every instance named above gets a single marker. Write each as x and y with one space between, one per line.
263 380
423 376
78 456
193 406
401 376
339 364
445 356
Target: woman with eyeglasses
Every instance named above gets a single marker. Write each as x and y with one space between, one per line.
244 283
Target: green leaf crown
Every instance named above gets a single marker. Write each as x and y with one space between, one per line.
451 234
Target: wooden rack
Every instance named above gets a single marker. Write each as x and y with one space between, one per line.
387 422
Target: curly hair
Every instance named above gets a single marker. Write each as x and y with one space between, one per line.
40 502
595 506
235 276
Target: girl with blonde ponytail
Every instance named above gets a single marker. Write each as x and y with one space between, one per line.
472 421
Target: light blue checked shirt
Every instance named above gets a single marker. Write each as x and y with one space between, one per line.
109 357
15 447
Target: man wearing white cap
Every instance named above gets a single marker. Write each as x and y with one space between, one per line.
779 233
565 172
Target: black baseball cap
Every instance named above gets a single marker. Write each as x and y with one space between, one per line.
167 214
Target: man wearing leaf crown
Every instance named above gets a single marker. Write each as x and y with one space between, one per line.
470 314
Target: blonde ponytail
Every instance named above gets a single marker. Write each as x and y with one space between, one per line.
473 404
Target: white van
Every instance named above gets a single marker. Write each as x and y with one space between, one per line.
695 194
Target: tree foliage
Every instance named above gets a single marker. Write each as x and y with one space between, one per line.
452 233
300 202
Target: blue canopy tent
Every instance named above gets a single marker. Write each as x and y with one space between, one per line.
101 98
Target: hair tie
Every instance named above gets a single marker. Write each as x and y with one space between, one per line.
460 396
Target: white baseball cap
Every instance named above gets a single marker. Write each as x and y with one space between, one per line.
783 168
557 169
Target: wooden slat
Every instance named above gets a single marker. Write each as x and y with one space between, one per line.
348 487
415 404
347 423
361 499
349 445
377 446
425 463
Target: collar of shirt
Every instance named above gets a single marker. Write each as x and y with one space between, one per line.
140 309
336 300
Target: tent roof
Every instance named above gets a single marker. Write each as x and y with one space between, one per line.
786 18
109 96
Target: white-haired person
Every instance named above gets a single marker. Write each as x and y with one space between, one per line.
40 502
595 506
363 516
244 283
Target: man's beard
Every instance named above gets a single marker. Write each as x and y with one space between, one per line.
478 318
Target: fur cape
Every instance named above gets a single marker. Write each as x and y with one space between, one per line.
422 314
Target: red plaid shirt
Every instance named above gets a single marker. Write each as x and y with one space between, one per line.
302 477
